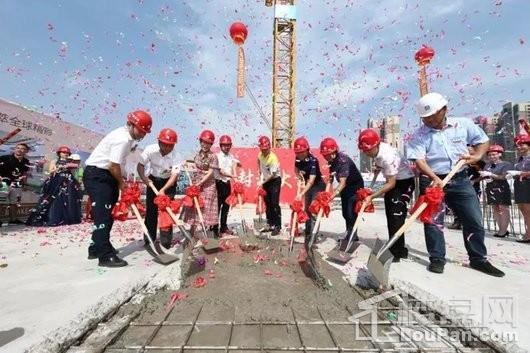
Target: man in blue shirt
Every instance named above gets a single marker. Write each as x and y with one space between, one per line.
436 147
350 180
307 168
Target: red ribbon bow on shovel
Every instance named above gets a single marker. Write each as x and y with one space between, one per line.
191 192
237 189
321 202
298 207
129 196
433 197
362 194
260 206
163 202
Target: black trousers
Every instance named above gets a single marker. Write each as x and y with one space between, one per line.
272 202
396 209
348 198
103 191
151 212
223 191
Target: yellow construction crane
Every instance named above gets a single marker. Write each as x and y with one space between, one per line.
283 72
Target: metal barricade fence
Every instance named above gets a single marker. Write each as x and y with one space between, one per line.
517 226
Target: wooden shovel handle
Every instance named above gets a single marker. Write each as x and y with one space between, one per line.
142 224
168 210
408 223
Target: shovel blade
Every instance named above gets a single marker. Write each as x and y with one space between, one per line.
259 223
166 259
379 267
339 256
211 246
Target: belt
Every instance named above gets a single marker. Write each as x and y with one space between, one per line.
157 178
461 174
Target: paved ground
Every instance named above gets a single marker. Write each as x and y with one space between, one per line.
48 284
50 291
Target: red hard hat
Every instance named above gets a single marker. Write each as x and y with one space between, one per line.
328 146
207 136
168 136
264 143
300 145
495 148
368 139
519 139
63 149
225 140
141 120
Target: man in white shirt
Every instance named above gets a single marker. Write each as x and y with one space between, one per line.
163 165
398 188
227 165
103 180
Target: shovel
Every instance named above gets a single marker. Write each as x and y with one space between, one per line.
342 257
259 222
164 258
174 217
316 227
210 244
294 216
380 257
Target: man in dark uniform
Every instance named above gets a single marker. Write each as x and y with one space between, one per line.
307 168
349 179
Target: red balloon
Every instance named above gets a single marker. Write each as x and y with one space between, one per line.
238 32
424 55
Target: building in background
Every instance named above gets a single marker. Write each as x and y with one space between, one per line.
389 130
507 126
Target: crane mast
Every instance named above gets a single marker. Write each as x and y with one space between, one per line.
283 72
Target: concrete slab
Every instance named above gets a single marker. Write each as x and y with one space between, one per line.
48 283
52 292
499 304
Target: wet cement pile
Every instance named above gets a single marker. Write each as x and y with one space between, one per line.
266 285
259 298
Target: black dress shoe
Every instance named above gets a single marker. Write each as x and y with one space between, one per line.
275 232
92 253
523 240
487 268
112 261
501 236
436 267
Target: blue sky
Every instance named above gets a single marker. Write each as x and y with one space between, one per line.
93 61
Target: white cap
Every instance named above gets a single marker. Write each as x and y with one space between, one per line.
75 157
430 104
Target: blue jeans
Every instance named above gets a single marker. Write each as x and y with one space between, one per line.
462 199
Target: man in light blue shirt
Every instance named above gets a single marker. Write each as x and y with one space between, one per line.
436 147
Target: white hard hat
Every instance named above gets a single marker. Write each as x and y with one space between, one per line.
430 104
75 157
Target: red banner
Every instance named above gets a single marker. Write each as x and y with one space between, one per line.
248 174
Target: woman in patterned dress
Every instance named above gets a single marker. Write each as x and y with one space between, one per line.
521 183
498 193
205 162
